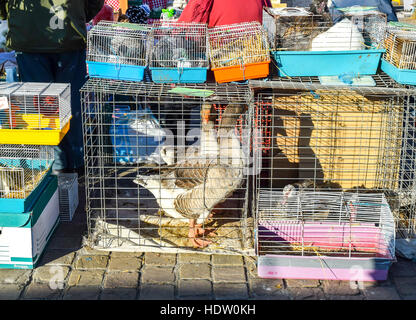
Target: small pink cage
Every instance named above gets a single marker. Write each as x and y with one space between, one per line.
324 235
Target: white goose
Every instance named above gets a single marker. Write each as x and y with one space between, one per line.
190 189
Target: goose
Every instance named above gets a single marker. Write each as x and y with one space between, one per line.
190 189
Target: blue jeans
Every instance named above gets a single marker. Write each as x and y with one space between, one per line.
67 67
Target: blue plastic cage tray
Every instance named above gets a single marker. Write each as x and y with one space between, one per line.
403 76
179 75
12 205
327 63
115 71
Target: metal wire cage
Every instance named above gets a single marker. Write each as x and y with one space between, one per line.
160 158
22 168
179 45
118 50
40 112
325 139
400 45
301 30
239 51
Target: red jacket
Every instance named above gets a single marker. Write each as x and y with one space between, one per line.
223 12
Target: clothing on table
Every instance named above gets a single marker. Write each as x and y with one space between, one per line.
224 12
115 4
154 4
67 67
138 14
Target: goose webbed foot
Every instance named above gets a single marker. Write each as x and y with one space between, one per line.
195 232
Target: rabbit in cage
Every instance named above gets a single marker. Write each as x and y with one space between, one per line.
178 52
126 50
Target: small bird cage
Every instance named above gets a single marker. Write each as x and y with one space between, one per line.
179 52
324 235
160 159
118 50
23 172
239 52
305 44
34 113
399 60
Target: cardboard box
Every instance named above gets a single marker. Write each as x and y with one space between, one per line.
23 236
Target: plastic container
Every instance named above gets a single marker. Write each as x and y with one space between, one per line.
403 76
327 63
244 72
115 71
179 75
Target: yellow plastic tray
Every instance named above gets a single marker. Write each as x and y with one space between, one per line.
33 136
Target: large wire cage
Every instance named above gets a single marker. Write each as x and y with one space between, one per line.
239 51
179 52
34 113
22 169
317 138
118 50
400 45
161 158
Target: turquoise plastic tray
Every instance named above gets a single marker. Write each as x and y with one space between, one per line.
115 71
327 63
403 76
179 75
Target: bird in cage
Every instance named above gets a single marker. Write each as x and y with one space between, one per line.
190 189
126 50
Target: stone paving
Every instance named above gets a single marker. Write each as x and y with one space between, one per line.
69 271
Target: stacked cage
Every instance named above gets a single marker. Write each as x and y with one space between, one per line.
34 113
239 52
117 50
399 60
332 175
306 44
179 52
34 117
166 167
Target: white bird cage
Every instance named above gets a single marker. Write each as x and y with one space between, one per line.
23 169
68 195
399 60
158 156
320 138
118 50
239 52
34 113
324 235
179 52
304 44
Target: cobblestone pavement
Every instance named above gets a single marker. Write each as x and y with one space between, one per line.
69 271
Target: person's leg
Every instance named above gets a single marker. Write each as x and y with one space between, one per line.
40 67
71 68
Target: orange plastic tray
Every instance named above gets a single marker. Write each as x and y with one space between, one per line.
238 73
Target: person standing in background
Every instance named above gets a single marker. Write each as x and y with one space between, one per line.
223 12
49 37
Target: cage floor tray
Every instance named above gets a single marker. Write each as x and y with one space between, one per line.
35 137
403 76
327 63
115 71
179 75
239 73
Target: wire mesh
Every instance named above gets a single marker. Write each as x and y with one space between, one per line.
119 43
37 106
325 223
318 138
300 30
237 45
400 45
159 157
22 168
179 45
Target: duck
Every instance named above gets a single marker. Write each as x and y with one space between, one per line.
190 189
